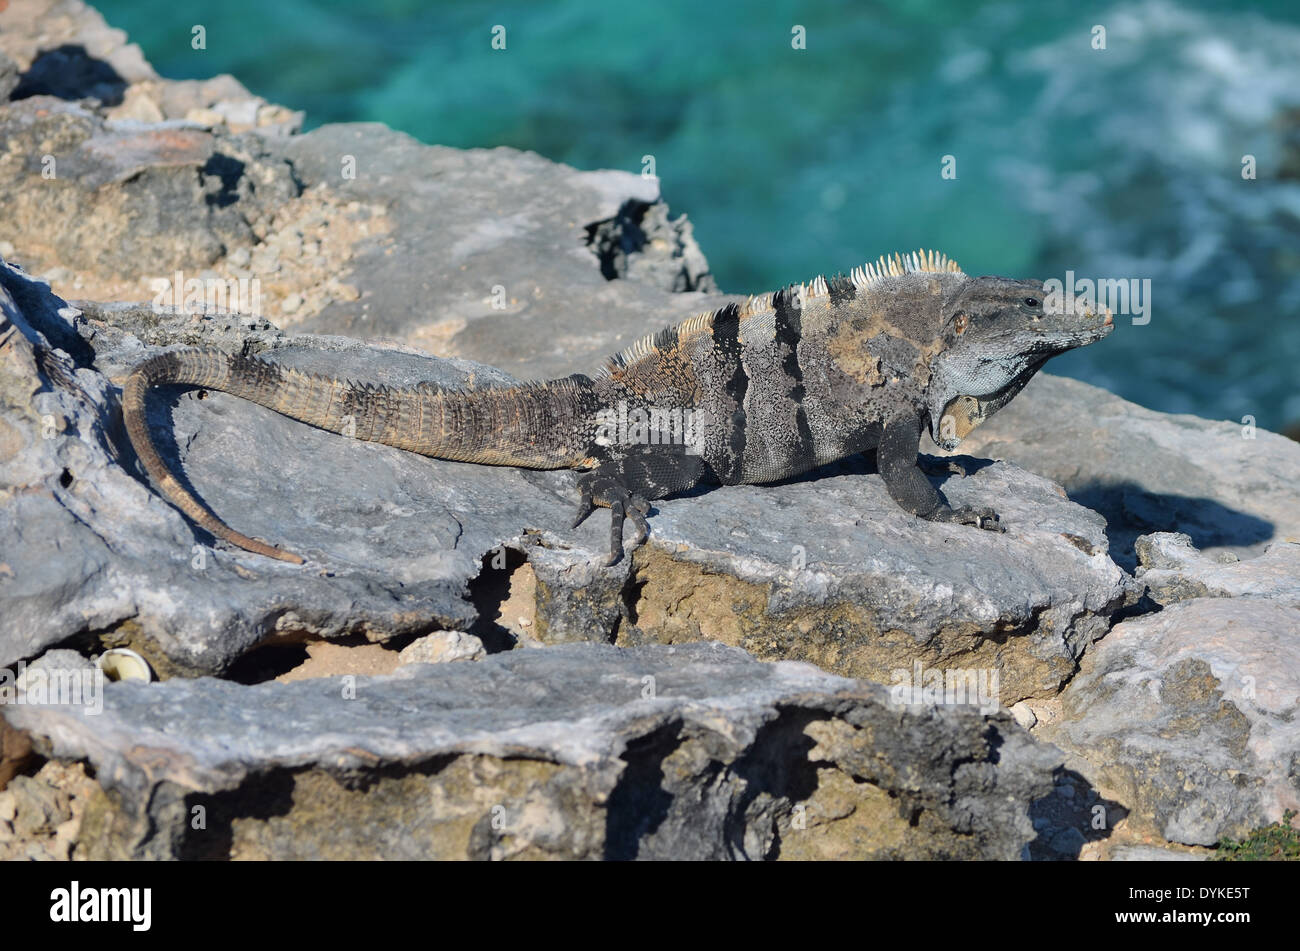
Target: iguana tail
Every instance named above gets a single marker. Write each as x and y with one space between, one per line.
533 425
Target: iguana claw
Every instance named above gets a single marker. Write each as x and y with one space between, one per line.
585 504
984 518
627 506
623 505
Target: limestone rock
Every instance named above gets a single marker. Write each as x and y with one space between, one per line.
73 32
131 202
1174 570
581 751
40 815
9 76
1229 488
1187 717
442 647
112 557
506 266
525 264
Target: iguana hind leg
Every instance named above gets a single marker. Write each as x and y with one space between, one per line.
598 488
625 483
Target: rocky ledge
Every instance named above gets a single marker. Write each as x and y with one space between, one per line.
1140 613
696 751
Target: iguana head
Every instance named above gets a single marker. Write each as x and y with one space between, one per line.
997 333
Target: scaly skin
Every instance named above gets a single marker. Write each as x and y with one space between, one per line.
775 387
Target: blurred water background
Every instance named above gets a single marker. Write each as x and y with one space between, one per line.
1117 163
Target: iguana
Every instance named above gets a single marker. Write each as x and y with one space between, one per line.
773 387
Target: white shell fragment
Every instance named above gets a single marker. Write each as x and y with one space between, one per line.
119 663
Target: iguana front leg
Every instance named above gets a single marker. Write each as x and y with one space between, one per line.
897 460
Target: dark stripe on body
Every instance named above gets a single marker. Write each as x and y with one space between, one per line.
727 352
789 331
841 289
666 340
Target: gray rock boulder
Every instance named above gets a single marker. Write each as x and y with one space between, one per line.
41 36
444 647
542 267
1229 487
662 752
1183 716
1173 570
114 563
828 570
119 206
525 264
1187 717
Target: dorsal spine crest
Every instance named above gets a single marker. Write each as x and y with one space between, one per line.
862 278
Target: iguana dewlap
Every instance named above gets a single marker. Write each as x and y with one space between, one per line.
748 393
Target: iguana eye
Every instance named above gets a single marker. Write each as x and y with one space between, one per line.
1031 301
960 323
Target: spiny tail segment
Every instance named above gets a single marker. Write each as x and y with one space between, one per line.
533 425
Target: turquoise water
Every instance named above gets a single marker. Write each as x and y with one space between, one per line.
1116 163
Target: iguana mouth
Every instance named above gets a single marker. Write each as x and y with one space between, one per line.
1086 328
